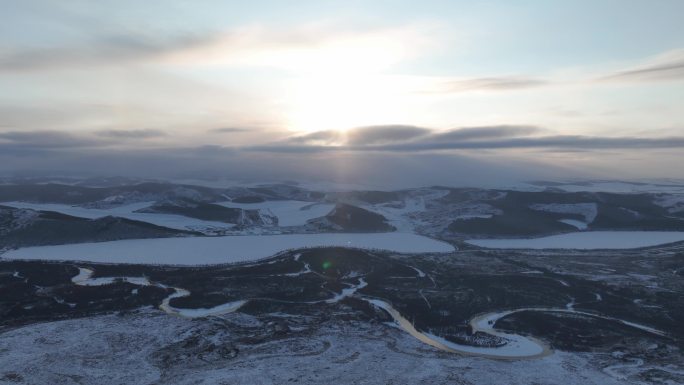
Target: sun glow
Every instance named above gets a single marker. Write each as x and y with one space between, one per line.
333 78
346 86
334 102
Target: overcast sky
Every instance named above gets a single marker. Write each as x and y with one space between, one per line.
382 92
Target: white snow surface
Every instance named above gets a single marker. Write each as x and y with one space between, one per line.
125 211
586 240
228 249
289 213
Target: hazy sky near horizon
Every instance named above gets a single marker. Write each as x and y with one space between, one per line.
356 90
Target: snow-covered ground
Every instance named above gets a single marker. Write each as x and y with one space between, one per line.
289 213
125 211
586 240
229 249
115 349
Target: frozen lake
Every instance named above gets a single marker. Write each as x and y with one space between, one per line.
229 249
586 240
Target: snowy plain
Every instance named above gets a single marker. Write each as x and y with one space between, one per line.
228 249
586 240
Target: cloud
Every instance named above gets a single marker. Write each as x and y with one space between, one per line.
384 138
572 142
361 136
100 50
500 137
666 66
229 130
131 134
379 170
371 135
326 137
491 84
312 46
47 139
397 133
484 132
423 160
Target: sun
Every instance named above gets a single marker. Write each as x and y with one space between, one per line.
340 102
345 84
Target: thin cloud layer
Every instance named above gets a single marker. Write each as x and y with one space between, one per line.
392 139
377 135
664 67
100 50
307 47
492 84
455 157
132 134
360 136
46 139
229 130
384 138
486 132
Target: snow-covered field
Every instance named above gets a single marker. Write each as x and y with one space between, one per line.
125 211
586 240
229 249
289 213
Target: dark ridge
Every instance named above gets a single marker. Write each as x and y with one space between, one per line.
352 218
248 199
198 210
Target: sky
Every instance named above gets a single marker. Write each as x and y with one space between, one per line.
386 93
